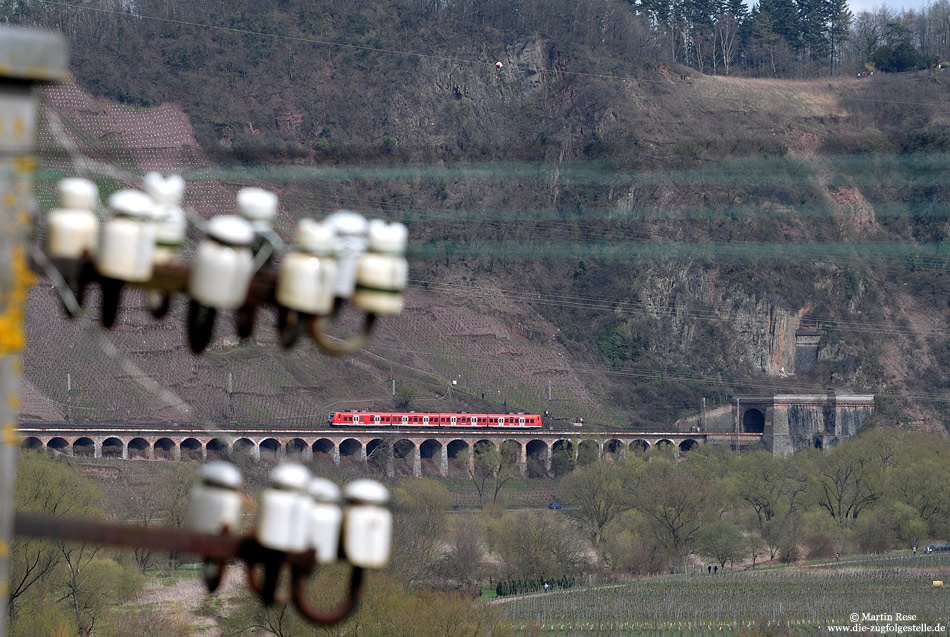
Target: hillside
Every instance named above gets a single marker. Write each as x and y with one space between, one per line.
628 235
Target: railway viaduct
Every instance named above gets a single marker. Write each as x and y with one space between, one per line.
404 451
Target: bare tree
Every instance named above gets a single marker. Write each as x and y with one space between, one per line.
595 493
492 468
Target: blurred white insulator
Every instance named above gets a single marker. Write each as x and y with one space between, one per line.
127 244
326 519
258 206
367 524
308 272
351 240
383 271
73 228
283 521
164 190
223 267
171 226
215 504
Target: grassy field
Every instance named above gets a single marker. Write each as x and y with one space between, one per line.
792 600
518 492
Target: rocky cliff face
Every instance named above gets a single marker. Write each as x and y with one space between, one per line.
584 262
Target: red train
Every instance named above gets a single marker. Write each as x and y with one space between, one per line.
426 419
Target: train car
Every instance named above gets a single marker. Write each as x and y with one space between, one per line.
431 419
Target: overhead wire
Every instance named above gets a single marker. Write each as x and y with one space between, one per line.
881 254
873 250
614 306
595 304
653 373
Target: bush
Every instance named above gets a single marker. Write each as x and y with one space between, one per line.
534 585
820 546
896 59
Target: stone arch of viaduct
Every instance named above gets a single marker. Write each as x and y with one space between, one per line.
409 452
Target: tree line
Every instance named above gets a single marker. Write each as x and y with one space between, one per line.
781 38
651 512
880 491
645 513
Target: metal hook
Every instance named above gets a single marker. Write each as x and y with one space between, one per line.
244 319
272 561
336 348
341 612
200 325
290 325
158 303
212 572
111 297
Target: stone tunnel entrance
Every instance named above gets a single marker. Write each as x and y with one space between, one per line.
753 422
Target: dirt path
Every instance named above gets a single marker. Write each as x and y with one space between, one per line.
515 598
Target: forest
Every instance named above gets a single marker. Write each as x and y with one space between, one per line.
611 178
623 518
784 38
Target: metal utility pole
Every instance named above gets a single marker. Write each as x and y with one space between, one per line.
735 433
27 57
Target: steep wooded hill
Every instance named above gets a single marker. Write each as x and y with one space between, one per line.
588 221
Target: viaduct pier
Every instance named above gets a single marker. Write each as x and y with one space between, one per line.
411 451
